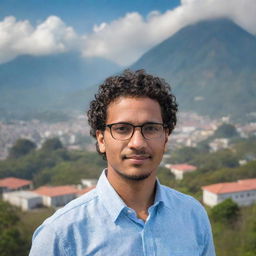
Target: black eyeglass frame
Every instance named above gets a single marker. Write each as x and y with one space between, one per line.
135 126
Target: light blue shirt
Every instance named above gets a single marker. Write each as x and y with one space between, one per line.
100 224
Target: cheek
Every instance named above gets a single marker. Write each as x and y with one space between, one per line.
159 149
113 149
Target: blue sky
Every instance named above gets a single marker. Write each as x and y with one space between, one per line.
120 31
81 14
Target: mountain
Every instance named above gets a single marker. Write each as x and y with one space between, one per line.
31 84
211 66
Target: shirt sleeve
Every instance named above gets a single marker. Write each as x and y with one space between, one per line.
45 241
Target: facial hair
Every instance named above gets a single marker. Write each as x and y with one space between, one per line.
131 177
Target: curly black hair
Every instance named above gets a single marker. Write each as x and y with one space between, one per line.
132 84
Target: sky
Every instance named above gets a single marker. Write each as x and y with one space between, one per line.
120 31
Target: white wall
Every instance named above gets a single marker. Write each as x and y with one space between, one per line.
58 200
179 174
241 198
23 200
209 198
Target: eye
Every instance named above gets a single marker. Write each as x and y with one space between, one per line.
122 128
152 128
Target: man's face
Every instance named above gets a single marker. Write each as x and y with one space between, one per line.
136 158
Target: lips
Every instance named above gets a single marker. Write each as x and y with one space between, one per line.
137 159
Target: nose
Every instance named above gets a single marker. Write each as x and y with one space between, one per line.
137 141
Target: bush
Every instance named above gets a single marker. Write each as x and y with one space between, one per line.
227 211
21 148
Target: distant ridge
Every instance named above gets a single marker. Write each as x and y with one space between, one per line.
67 71
30 85
211 66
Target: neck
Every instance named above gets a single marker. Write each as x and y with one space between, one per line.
138 195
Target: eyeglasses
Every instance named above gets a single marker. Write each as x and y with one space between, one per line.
124 131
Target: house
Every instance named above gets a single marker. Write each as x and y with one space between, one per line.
26 200
56 196
80 192
180 169
13 184
243 192
89 182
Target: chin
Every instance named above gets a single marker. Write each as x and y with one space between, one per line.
134 177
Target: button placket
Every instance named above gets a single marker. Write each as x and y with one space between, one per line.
148 243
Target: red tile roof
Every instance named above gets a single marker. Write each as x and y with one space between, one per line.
231 187
55 191
183 167
14 183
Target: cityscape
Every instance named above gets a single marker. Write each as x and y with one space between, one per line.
74 134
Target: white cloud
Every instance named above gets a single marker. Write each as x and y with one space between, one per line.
20 37
123 40
126 39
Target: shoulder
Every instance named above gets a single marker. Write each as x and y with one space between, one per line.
74 211
54 235
187 209
181 201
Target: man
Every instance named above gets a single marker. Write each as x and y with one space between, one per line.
129 213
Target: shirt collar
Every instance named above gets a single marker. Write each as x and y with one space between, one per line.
111 200
161 197
114 204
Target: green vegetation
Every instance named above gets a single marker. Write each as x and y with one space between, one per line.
237 237
226 212
234 228
52 144
53 164
29 221
11 240
226 131
21 148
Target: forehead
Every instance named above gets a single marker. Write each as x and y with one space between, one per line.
134 110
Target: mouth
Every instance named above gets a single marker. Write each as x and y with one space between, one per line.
137 159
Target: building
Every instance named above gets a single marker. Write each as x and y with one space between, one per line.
243 192
56 196
26 200
80 192
89 182
180 169
12 184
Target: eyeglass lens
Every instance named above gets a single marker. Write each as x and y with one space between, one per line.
123 131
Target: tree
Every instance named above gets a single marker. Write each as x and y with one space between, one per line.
184 155
52 144
226 211
11 241
226 131
21 148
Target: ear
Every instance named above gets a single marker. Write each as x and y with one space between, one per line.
101 141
